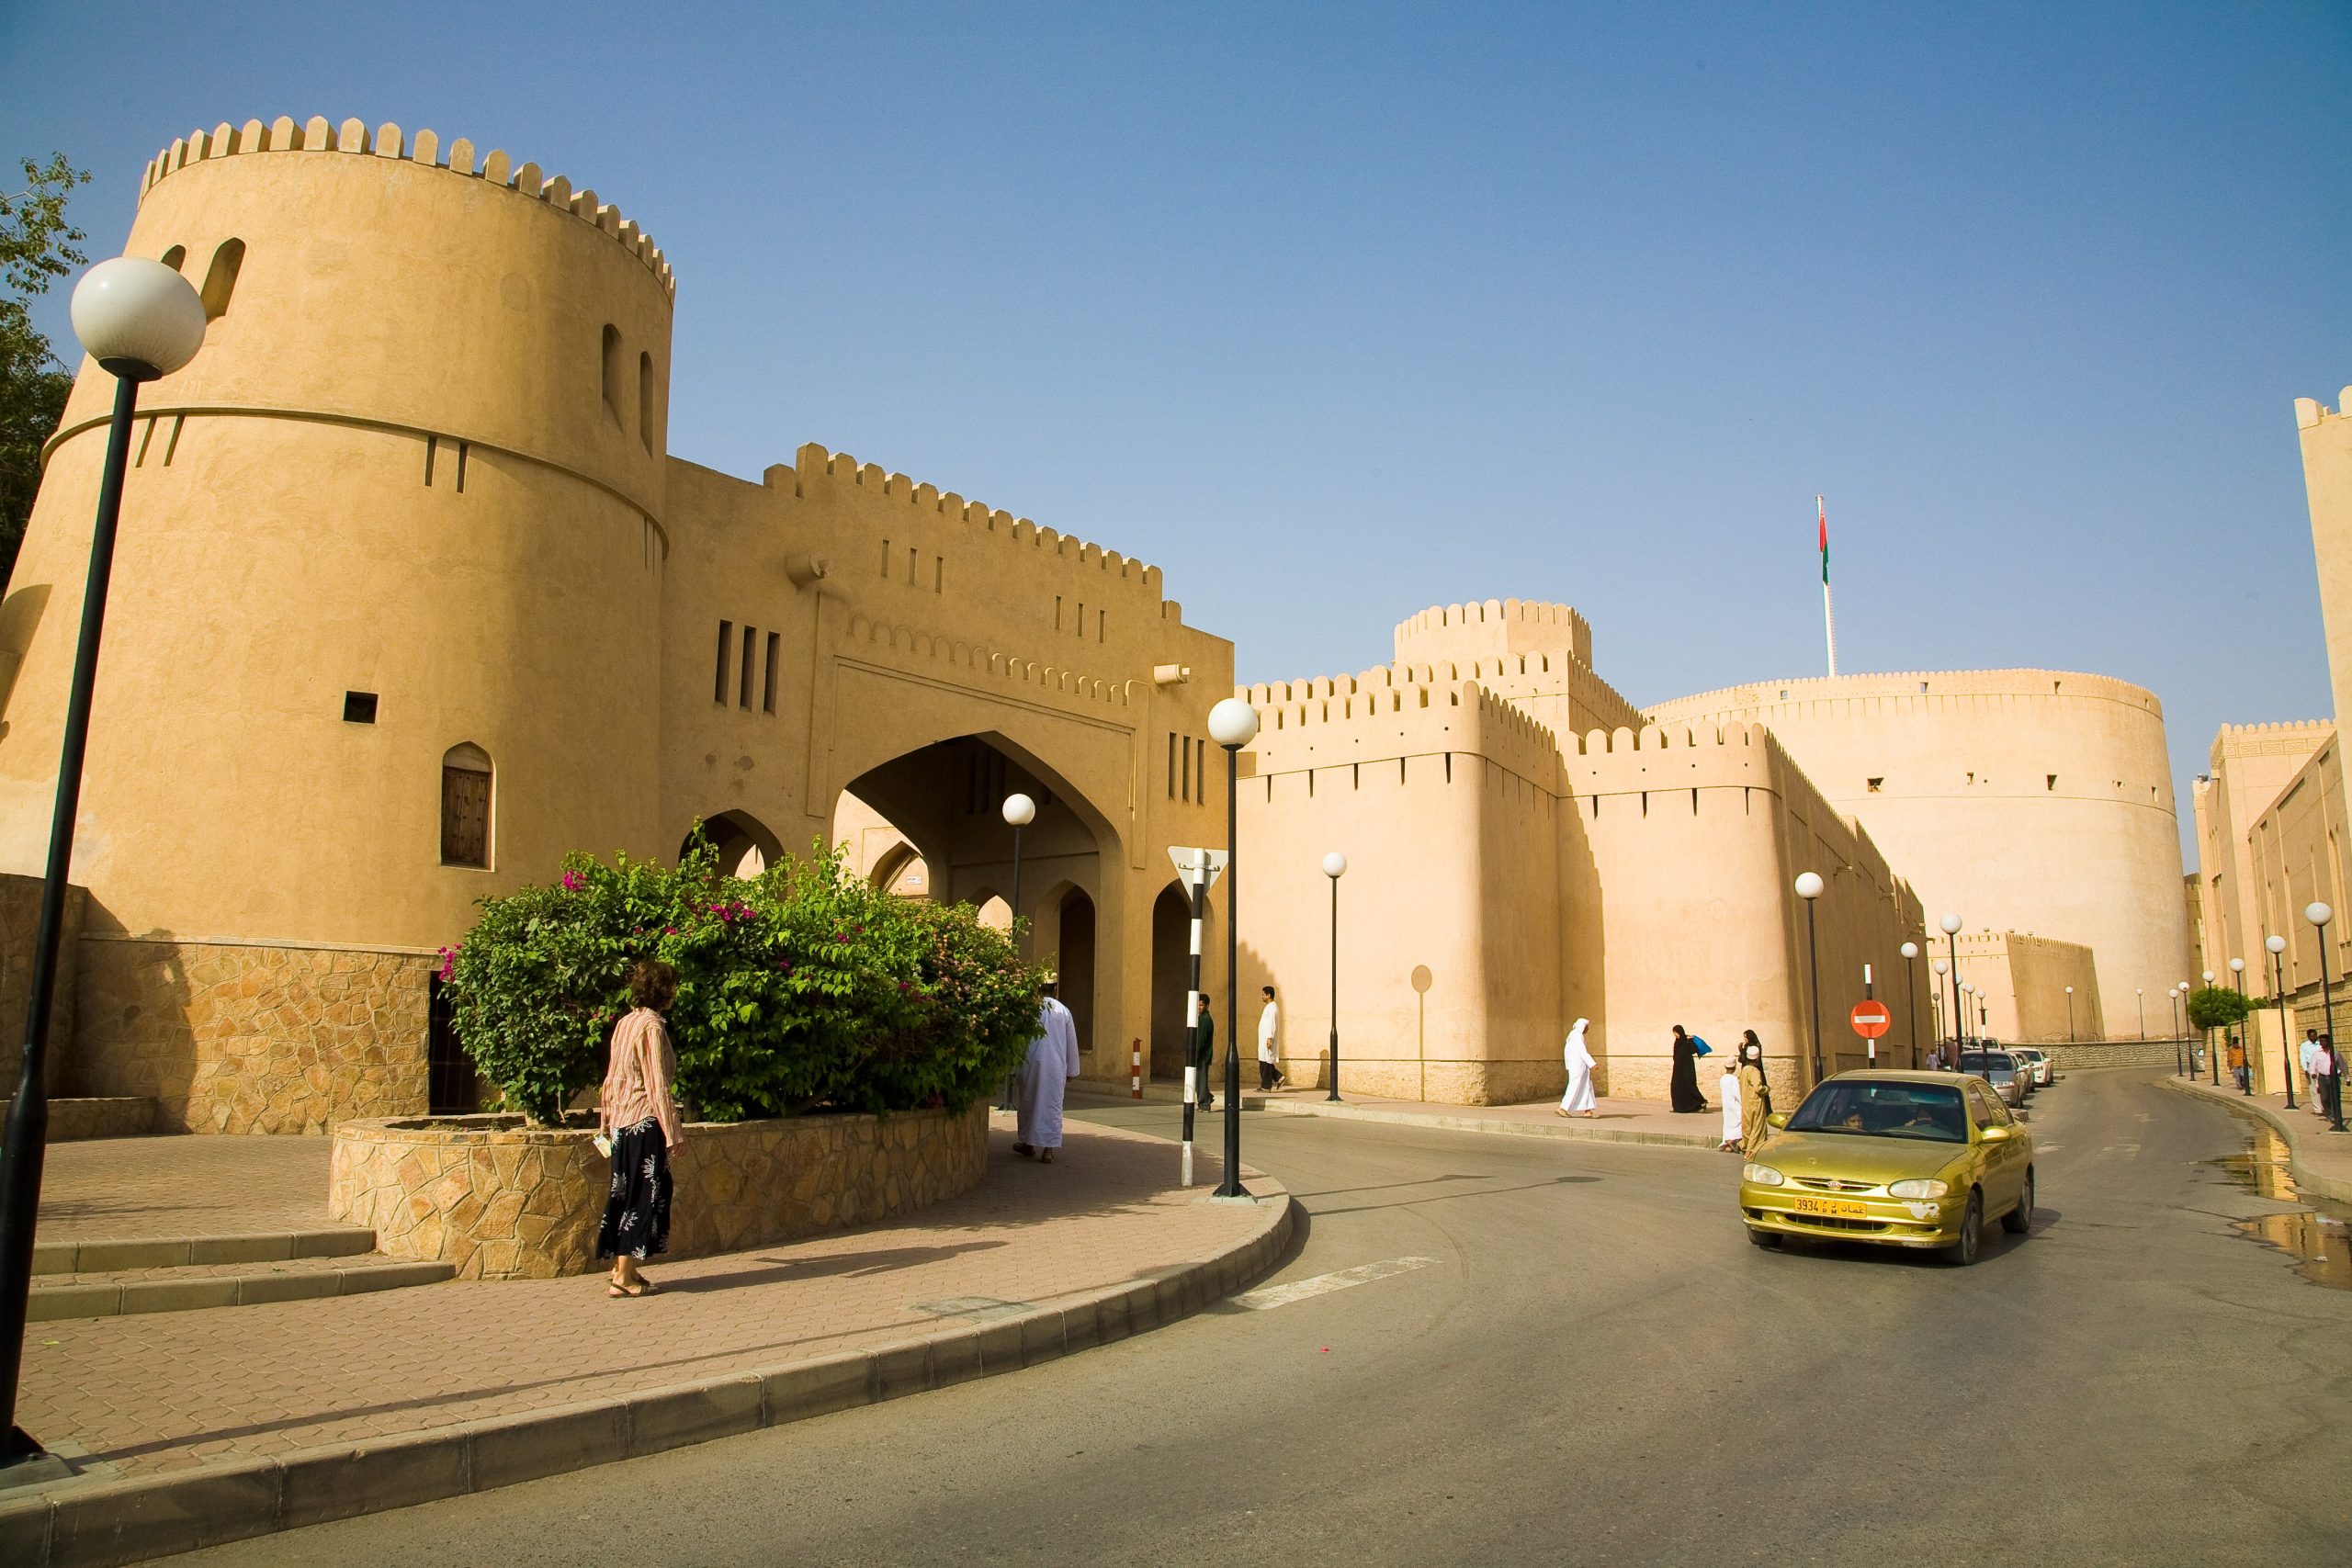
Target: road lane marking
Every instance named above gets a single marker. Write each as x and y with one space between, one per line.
1323 1284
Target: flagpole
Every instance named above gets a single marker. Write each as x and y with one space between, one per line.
1828 618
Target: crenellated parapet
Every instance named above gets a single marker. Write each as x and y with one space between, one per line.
1491 630
882 501
283 135
1311 725
1904 692
2310 411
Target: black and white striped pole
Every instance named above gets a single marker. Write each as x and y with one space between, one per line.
1199 869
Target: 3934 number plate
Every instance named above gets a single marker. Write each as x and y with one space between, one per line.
1835 1208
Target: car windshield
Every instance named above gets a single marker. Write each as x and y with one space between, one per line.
1929 1112
1995 1066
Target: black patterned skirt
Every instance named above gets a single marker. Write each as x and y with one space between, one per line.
637 1213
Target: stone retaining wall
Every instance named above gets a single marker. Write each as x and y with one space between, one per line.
504 1202
230 1037
2113 1053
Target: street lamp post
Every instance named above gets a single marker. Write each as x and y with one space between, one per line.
1018 812
2319 915
2139 1000
1233 724
2237 979
2276 945
2213 1056
2178 1071
1910 997
2070 1015
1335 867
140 320
1951 924
1809 889
1935 997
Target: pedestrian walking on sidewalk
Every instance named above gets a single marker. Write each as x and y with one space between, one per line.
1270 1056
2308 1051
1041 1078
2327 1073
2237 1062
637 1114
1579 1099
1727 1095
1755 1094
1203 1055
1682 1082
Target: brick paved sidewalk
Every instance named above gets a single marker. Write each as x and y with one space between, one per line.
150 1395
182 1184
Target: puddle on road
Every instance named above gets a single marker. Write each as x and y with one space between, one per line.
2318 1240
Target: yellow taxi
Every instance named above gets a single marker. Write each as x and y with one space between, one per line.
1897 1158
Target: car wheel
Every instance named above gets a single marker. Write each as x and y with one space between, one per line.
1769 1240
1962 1252
2020 1220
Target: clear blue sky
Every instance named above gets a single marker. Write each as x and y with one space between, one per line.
1335 312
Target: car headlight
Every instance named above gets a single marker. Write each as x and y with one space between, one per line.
1931 1187
1762 1175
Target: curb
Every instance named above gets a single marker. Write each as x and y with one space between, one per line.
101 1253
99 1524
2307 1180
1512 1127
58 1303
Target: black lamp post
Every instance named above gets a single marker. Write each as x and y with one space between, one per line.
2179 1070
1910 997
140 320
2276 946
1951 924
1233 724
1018 812
1335 867
2214 1057
1808 887
2070 1015
2319 915
2237 981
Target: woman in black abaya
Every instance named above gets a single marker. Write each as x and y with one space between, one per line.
1683 1086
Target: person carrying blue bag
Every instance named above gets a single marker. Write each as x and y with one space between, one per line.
1683 1087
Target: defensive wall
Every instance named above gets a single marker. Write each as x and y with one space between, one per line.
2022 994
1493 629
411 601
1679 876
2250 766
1502 882
2325 437
2030 800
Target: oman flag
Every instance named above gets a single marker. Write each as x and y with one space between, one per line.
1823 509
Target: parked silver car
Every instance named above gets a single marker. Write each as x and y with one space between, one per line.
2000 1069
2039 1060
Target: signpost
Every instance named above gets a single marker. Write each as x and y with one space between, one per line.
1872 1019
1200 869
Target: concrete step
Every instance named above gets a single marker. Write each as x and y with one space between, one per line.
122 1292
78 1255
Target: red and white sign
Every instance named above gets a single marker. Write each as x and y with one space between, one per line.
1872 1019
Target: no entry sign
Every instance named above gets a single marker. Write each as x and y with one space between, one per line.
1872 1019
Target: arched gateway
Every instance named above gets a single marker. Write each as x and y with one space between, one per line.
517 575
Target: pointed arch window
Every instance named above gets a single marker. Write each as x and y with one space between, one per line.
613 372
645 400
220 280
466 778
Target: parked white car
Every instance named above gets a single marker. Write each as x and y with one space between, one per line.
2044 1070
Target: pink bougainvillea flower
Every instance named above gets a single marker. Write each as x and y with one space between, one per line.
574 882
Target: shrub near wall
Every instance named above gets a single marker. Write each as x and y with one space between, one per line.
802 988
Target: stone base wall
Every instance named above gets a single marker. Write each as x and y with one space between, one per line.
504 1202
20 927
1437 1082
231 1038
2113 1053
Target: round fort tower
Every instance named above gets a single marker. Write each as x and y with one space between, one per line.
382 634
2037 801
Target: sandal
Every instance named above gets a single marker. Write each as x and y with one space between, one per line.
1044 1156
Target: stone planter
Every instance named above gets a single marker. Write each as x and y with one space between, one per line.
505 1201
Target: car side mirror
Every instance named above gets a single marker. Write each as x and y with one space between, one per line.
1777 1119
1996 1135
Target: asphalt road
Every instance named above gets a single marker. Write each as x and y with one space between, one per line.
1592 1366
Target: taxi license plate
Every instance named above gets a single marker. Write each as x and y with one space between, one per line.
1835 1208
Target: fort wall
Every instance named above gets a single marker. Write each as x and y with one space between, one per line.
2250 766
2032 800
2325 436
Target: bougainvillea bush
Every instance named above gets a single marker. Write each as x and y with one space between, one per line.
803 989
